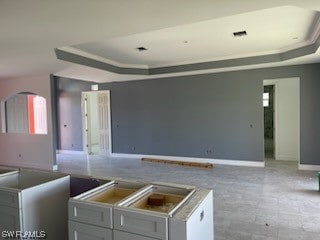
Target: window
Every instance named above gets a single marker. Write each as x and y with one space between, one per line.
25 113
265 99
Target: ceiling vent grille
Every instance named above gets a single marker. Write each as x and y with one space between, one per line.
240 34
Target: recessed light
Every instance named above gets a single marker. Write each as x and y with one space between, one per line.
140 49
185 41
240 34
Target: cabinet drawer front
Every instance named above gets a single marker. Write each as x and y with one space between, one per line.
8 198
117 235
10 219
88 213
81 231
141 223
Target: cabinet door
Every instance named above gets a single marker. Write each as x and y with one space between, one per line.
141 223
10 219
81 231
198 225
86 212
117 235
9 198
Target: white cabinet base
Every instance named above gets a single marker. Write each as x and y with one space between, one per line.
80 231
10 219
148 225
117 235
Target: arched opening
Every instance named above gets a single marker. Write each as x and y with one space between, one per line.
24 113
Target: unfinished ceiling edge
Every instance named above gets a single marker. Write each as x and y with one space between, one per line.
86 61
315 29
218 64
85 54
64 54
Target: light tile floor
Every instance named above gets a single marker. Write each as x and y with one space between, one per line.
275 202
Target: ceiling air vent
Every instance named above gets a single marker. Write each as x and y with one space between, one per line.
140 49
240 34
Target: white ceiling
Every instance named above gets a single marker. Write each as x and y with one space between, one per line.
112 29
272 31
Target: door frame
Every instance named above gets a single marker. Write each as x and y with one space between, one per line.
275 83
83 117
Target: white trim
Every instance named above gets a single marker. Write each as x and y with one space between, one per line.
55 167
84 119
3 118
189 159
69 152
275 82
309 167
109 122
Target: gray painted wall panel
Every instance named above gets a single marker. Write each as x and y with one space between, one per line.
68 92
186 116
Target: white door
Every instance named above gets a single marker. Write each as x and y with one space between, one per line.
40 115
104 131
96 122
17 114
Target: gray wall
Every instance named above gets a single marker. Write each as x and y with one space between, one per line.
68 105
212 115
191 116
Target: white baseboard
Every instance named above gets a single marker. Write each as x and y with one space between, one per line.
189 159
69 152
309 167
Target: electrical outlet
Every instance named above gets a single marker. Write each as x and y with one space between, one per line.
209 151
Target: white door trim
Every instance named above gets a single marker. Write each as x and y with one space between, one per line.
84 123
275 82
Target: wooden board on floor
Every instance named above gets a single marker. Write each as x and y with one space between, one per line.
181 163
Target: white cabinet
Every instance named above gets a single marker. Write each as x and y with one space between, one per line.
117 235
7 171
10 218
184 214
10 197
198 225
132 211
91 213
34 201
81 231
146 224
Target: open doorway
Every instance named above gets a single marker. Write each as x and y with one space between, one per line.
96 122
268 105
282 119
